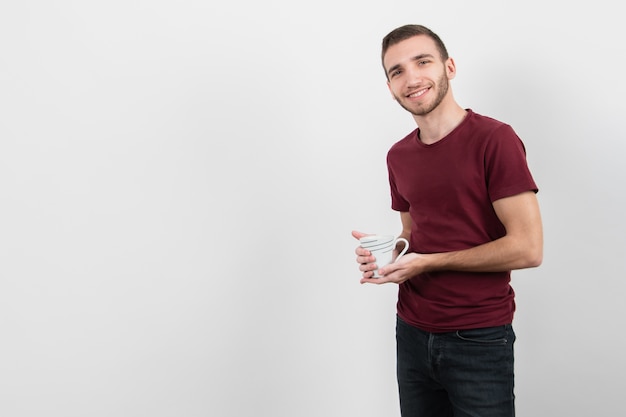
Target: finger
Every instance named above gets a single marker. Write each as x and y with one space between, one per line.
365 259
362 252
367 276
368 268
388 269
371 280
358 235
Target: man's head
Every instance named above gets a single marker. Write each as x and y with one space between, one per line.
408 31
418 69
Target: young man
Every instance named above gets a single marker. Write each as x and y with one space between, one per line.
468 207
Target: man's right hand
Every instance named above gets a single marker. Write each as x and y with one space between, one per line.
364 258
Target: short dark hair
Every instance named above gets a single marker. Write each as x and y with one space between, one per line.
408 31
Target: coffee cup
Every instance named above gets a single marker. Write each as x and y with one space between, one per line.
381 247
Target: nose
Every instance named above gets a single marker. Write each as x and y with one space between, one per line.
413 77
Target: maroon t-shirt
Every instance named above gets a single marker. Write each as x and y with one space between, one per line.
448 188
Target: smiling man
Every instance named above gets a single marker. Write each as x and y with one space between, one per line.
467 204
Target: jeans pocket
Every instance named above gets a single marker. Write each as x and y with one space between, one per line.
498 335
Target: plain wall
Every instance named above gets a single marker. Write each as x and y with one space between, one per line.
179 179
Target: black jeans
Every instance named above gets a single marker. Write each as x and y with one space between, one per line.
461 374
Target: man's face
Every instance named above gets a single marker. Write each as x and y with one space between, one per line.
417 77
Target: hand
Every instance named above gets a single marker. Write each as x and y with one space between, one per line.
399 271
364 257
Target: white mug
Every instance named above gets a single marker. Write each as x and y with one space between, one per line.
382 248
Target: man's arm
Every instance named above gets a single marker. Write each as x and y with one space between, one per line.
521 247
407 223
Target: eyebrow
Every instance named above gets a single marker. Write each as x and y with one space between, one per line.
415 58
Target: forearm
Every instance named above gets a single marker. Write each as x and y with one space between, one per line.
504 254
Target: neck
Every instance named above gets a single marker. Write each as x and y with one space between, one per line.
437 124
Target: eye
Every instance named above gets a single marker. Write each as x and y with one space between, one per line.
396 72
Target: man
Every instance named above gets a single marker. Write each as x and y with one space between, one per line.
468 207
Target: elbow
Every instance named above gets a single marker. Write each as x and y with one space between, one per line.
535 261
534 256
530 248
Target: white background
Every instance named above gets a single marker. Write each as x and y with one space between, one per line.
179 179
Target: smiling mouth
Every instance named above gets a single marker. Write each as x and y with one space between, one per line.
417 93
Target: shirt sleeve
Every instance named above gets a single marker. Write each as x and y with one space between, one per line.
506 165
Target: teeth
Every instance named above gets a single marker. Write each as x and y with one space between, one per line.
417 94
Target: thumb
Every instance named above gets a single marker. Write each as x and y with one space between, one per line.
358 235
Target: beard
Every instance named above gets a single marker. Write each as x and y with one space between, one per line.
423 109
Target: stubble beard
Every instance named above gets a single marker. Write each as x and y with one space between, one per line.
423 109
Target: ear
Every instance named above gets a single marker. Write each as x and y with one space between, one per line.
450 68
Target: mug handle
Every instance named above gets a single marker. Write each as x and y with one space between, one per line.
406 247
